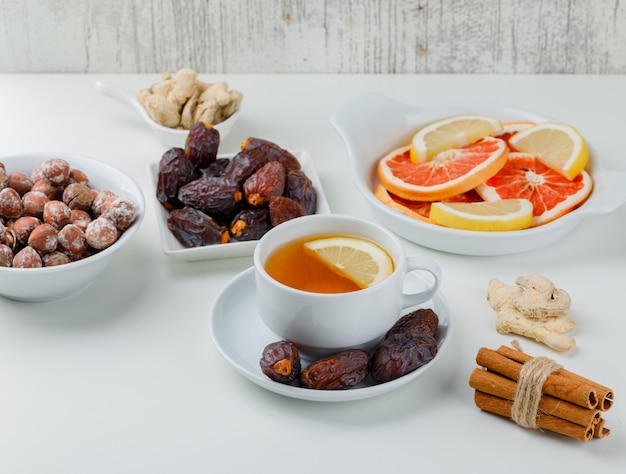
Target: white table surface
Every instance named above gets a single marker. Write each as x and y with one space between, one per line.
123 377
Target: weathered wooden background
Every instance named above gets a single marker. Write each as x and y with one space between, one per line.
314 36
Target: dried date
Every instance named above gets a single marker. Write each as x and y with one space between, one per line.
280 361
193 228
250 224
175 170
398 355
273 152
340 371
269 180
201 145
244 164
420 321
300 189
216 168
212 195
283 209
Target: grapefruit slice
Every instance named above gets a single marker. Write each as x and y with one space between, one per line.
558 146
451 172
416 209
502 215
419 210
452 132
526 176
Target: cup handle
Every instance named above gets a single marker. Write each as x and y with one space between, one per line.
426 265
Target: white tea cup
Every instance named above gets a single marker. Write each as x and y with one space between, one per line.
321 324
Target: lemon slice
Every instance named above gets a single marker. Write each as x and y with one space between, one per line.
558 146
501 215
361 261
452 132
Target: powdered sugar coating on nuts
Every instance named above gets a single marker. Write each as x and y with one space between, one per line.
56 171
121 211
101 233
72 239
51 231
27 258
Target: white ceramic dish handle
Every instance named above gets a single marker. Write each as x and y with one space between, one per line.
121 95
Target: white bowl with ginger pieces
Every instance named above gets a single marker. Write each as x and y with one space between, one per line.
49 283
372 125
170 123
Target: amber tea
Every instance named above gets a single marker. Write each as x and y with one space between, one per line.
291 265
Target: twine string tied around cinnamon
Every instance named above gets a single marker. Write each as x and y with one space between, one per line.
529 390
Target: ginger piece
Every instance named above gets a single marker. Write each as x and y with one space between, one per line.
180 100
533 308
207 111
186 116
184 87
162 111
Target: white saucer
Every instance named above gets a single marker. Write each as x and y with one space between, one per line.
240 336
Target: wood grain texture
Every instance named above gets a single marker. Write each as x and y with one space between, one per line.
314 36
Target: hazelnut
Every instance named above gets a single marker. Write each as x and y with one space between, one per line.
3 177
56 171
3 231
27 258
6 256
10 203
101 233
37 173
51 191
121 210
78 196
99 199
56 213
77 176
72 240
23 226
80 219
7 236
20 182
34 202
55 258
44 238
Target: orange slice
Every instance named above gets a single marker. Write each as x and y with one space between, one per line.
551 193
451 132
558 146
501 215
451 172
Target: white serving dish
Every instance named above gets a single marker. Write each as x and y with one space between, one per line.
51 283
371 125
173 248
170 137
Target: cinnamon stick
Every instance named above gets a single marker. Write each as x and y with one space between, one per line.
493 384
502 407
558 386
599 431
605 394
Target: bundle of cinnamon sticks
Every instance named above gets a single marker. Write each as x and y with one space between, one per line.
566 403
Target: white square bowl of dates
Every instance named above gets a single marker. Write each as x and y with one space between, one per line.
230 227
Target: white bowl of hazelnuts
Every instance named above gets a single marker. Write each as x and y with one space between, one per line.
63 218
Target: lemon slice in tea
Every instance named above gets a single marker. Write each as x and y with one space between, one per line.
360 260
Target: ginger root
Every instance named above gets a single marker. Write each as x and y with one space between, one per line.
180 100
533 308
